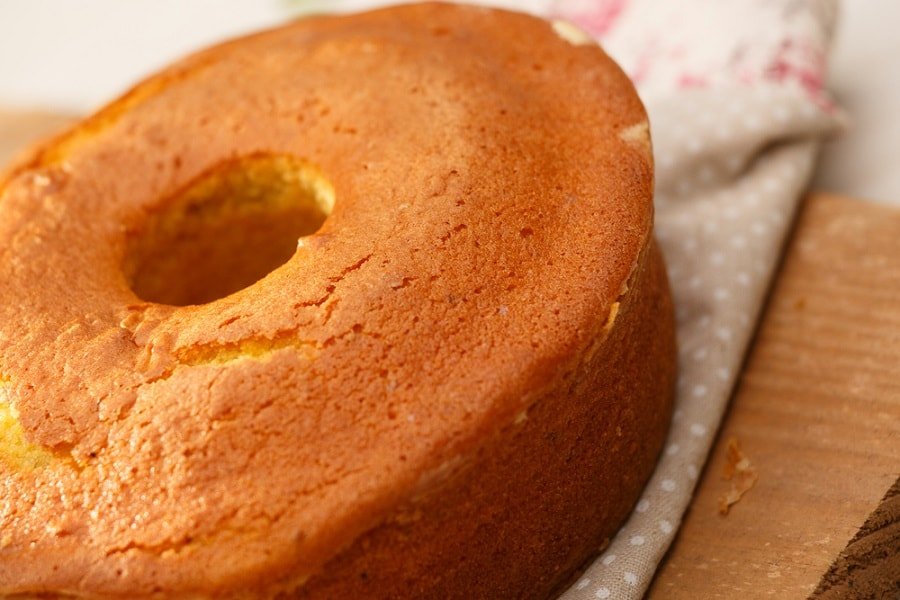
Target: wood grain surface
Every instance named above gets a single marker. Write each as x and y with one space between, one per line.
817 413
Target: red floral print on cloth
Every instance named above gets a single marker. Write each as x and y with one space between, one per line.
666 46
597 17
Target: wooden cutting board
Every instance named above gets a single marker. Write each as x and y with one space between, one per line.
816 412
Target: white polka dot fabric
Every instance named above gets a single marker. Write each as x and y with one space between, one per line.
734 89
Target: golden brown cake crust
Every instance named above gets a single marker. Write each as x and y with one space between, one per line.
480 331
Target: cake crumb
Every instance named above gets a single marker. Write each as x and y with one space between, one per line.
739 472
638 133
572 33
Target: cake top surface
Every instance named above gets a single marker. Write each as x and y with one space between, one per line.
475 187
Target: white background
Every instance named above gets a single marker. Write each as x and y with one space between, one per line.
73 55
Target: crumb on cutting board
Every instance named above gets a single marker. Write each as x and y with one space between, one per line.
739 472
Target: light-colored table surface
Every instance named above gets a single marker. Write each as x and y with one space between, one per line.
72 56
865 78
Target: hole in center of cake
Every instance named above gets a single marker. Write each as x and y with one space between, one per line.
227 229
